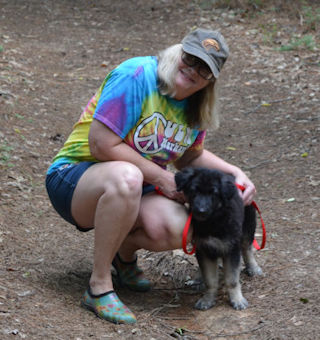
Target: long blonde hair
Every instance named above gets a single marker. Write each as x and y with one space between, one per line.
202 108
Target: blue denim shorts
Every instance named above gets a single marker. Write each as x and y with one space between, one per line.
60 186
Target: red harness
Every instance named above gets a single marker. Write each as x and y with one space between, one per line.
188 222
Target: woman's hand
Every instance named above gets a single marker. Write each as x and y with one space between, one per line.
205 158
169 189
249 191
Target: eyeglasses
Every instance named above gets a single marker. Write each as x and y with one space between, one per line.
201 67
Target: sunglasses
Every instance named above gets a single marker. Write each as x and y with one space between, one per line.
199 65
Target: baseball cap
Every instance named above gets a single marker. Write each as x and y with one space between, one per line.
209 46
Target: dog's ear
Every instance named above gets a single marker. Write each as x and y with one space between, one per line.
183 178
228 187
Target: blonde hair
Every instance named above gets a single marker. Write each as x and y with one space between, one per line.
202 109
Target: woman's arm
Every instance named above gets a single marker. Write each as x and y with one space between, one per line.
205 158
105 145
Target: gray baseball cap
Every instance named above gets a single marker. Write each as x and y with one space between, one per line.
209 46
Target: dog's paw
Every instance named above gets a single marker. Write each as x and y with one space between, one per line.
253 271
206 302
197 285
239 304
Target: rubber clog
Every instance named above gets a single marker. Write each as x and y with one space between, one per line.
130 275
108 306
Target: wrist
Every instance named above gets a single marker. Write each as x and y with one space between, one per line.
160 178
235 171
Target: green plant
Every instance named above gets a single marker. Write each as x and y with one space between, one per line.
311 17
295 43
255 3
5 154
269 32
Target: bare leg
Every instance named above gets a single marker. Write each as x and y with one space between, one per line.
159 226
108 198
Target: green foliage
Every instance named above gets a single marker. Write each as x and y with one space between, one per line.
306 41
269 32
1 48
5 154
255 3
180 331
311 17
206 4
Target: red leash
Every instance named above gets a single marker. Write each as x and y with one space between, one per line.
185 235
187 226
185 230
264 233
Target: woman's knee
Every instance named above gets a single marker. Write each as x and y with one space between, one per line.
163 237
104 183
165 229
123 179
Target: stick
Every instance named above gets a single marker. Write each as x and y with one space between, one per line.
270 102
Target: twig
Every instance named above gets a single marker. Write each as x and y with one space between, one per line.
173 318
160 260
157 310
269 102
258 165
2 93
301 19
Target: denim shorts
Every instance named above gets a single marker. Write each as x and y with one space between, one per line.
60 186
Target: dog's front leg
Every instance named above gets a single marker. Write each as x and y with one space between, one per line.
209 270
231 265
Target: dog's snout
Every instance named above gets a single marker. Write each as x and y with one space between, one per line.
200 215
201 208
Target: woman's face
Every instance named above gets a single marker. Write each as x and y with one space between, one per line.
188 81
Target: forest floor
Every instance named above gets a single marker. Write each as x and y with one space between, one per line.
53 57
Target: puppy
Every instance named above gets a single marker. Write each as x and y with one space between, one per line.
222 228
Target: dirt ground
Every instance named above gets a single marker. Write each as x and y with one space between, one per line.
53 56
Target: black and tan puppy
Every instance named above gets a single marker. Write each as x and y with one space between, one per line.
222 228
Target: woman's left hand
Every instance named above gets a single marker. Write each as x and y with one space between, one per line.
249 191
205 158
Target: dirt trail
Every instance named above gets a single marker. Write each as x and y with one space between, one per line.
54 55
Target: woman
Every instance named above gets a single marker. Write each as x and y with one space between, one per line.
149 112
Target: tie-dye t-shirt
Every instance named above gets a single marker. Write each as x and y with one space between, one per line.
130 104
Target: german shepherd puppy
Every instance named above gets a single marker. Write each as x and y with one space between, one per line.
222 228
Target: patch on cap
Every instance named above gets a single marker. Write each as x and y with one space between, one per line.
209 43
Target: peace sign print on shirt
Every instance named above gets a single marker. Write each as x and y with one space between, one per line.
155 133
